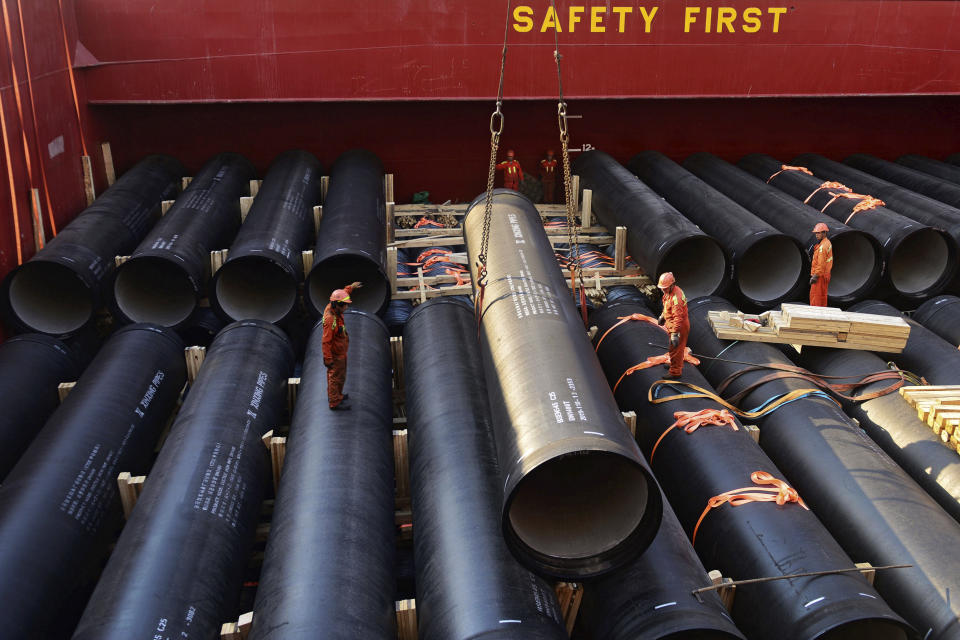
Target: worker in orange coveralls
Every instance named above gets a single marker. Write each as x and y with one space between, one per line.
820 266
548 176
512 173
335 343
675 320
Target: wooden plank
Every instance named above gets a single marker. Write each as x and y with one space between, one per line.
317 217
278 451
238 630
726 593
423 290
586 211
569 596
307 258
246 202
255 187
459 290
194 357
401 463
108 167
754 432
89 188
130 488
620 249
217 259
392 268
293 390
63 389
575 189
560 232
185 182
324 187
406 619
396 356
630 417
388 187
166 205
389 221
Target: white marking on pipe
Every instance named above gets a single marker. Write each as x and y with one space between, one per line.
867 595
511 621
927 634
665 604
594 433
814 601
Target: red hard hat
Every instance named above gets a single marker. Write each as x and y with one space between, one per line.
510 153
666 279
821 227
549 152
340 295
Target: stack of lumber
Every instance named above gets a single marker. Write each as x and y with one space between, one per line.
939 407
814 326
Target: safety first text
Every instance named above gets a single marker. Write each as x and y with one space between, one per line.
621 19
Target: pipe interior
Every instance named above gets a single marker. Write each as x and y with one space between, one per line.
50 298
253 287
578 506
769 269
151 289
870 629
854 259
698 264
919 262
337 272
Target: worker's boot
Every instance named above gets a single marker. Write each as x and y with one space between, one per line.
343 406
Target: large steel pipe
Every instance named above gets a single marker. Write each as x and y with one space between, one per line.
578 499
60 288
942 170
870 505
942 316
893 424
658 236
919 259
767 266
264 266
484 593
746 541
911 179
858 261
59 504
329 564
351 241
166 275
177 567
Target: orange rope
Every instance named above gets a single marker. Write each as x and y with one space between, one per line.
779 492
624 319
73 81
652 361
866 203
786 167
13 191
426 222
827 185
690 421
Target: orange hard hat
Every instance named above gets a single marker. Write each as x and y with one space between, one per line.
340 295
510 153
666 280
820 226
549 152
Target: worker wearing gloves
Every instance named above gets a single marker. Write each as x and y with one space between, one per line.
512 173
820 266
675 320
335 344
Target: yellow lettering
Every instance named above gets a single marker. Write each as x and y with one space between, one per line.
574 18
550 21
622 14
751 19
689 17
777 12
648 18
709 19
522 19
596 19
725 18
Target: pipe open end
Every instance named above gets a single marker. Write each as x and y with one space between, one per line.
769 269
336 272
698 264
868 629
50 298
150 289
254 287
855 259
919 262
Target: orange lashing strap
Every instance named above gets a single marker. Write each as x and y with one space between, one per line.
652 361
778 491
624 319
458 274
426 222
827 185
866 203
690 421
786 167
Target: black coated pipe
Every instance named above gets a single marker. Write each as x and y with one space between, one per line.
166 275
659 238
858 262
919 259
264 266
59 504
201 327
329 564
177 567
60 288
870 505
942 316
767 266
911 179
942 170
352 239
484 593
893 424
747 541
926 353
578 499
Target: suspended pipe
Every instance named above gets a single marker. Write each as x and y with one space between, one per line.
869 504
59 505
893 424
746 541
919 259
941 315
659 238
352 239
913 180
329 564
858 261
166 275
484 593
767 266
578 499
264 266
942 170
60 288
181 556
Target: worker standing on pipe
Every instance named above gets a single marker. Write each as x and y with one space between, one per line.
820 266
335 344
675 320
512 173
548 176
